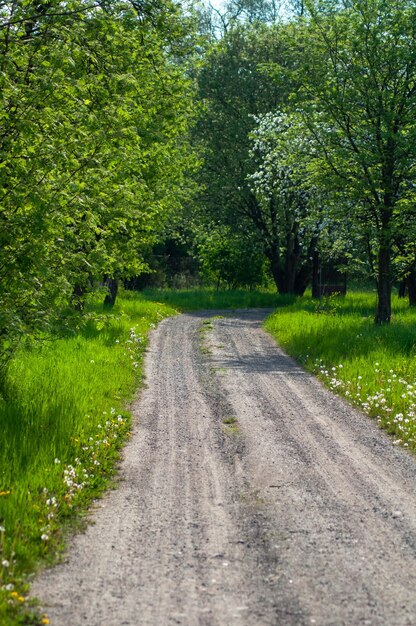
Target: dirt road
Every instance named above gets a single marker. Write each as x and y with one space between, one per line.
249 496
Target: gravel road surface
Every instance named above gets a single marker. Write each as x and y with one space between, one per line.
249 495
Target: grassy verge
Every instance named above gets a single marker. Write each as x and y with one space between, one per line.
62 426
374 367
205 298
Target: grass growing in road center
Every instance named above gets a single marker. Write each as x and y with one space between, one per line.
374 367
63 422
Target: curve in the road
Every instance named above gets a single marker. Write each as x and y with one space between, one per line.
249 495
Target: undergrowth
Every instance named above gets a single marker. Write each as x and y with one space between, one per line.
372 366
63 421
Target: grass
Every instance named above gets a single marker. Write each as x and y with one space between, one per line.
372 366
62 425
206 298
230 420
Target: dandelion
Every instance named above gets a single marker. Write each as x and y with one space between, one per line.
57 461
8 587
5 563
45 537
2 529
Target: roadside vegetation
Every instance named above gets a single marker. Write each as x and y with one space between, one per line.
63 421
372 366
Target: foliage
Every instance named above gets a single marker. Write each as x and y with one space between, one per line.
232 258
357 68
93 117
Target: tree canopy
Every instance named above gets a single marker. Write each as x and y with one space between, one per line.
93 115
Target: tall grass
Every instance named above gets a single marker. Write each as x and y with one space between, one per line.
209 298
372 366
63 421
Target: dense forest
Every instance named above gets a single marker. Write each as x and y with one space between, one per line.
169 143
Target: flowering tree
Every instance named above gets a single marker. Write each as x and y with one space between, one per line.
289 226
357 71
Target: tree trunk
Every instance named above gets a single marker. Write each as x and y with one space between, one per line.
291 262
411 287
78 297
112 286
402 288
273 256
383 314
316 287
302 279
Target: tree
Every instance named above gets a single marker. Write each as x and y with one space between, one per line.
289 216
94 111
234 88
357 71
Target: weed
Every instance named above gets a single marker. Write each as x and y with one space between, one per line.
229 420
234 429
218 370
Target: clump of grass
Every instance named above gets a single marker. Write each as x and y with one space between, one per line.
63 422
206 326
231 426
206 298
372 366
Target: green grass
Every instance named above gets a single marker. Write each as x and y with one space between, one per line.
372 366
62 426
205 298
